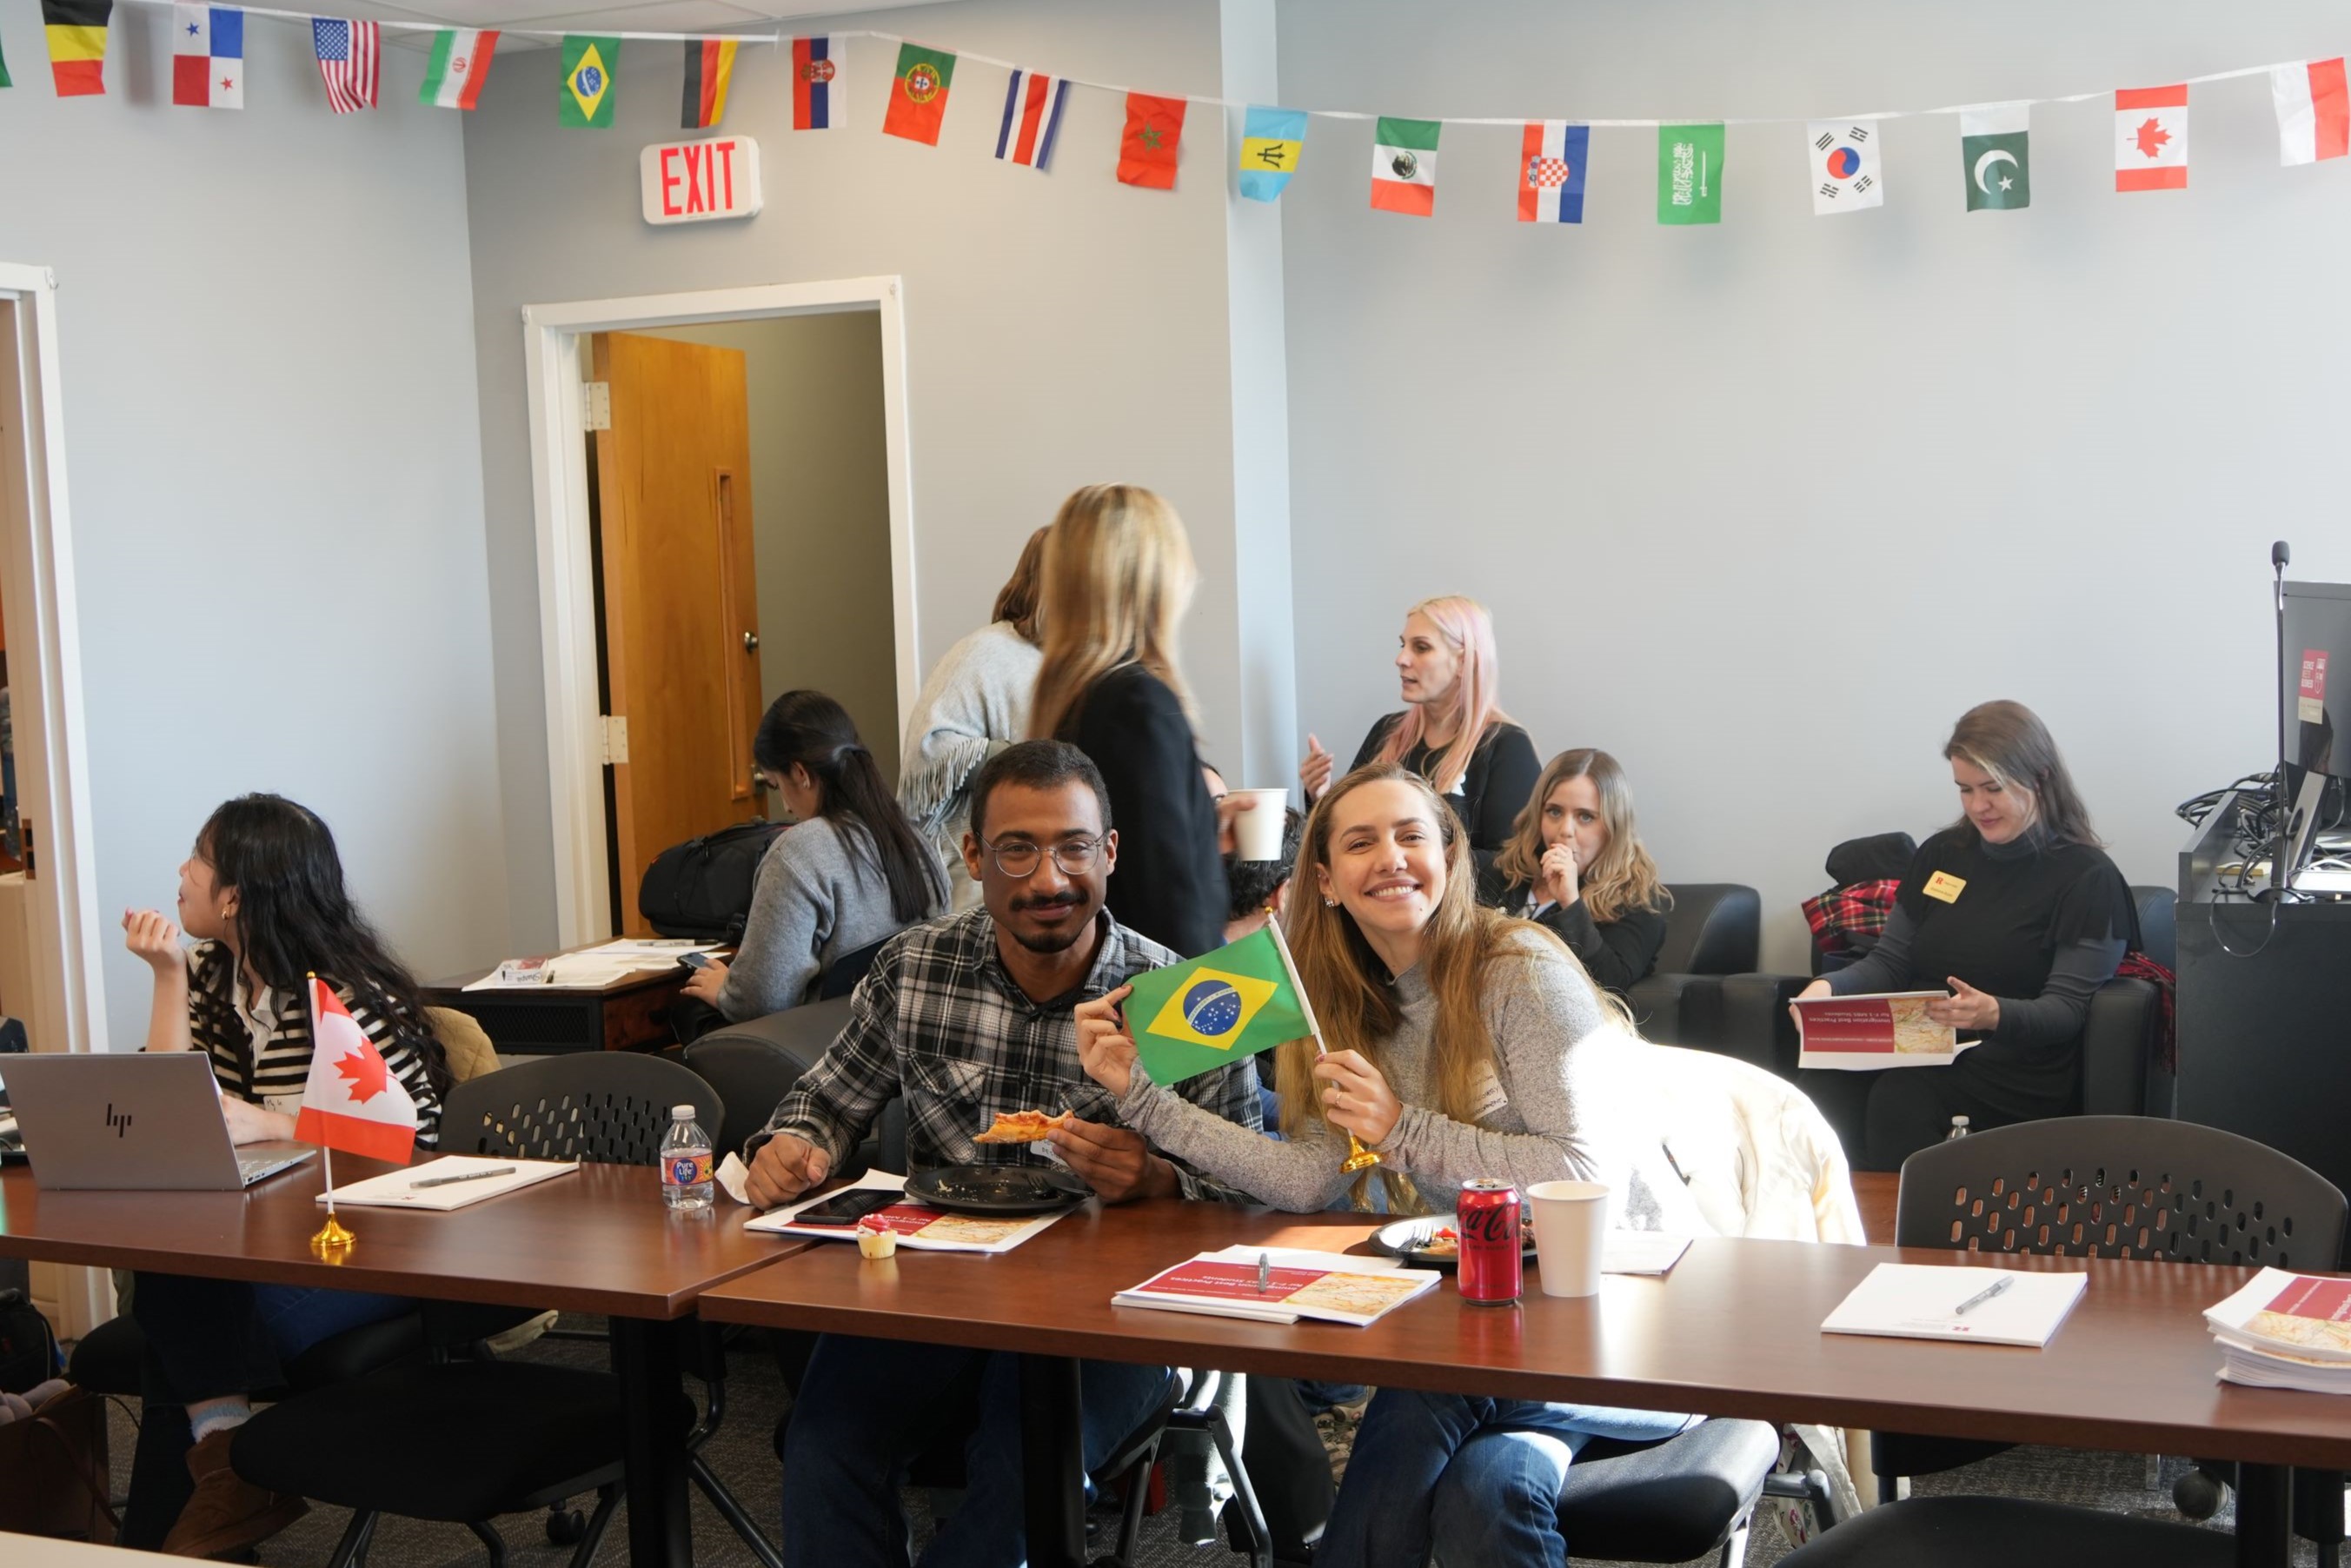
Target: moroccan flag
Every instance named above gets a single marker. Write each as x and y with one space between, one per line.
918 94
1403 166
2313 110
817 85
1551 155
1995 148
1689 173
2151 138
1195 1017
590 64
1032 119
1846 172
458 65
353 1101
76 30
207 57
1155 130
1272 141
709 67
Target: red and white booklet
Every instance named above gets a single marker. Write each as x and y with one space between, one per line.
2286 1330
1281 1285
1867 1032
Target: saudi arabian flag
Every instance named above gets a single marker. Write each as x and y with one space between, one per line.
1195 1017
1992 146
1689 173
590 64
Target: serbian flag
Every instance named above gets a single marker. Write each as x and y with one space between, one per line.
2151 138
352 1103
817 86
2313 110
709 67
1032 119
1550 172
76 34
207 57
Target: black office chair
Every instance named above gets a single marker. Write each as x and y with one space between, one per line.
1688 1497
1712 928
841 976
1191 1407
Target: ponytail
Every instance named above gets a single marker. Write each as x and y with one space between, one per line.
811 729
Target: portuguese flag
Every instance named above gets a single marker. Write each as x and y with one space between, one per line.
1194 1018
918 98
76 30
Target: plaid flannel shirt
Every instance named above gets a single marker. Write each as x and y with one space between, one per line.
939 1022
1855 910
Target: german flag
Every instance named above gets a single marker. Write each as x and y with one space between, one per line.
709 67
76 30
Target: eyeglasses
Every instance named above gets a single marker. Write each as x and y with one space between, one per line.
1020 858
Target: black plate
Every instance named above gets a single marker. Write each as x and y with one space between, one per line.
1404 1238
996 1189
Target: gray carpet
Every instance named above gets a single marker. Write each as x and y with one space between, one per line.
742 1454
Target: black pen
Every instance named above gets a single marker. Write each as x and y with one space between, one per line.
469 1176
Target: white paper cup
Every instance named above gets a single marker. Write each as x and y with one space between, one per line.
1571 1220
1259 831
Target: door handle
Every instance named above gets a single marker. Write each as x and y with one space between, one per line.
751 641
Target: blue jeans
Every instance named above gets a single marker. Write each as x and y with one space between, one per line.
867 1408
1475 1479
210 1338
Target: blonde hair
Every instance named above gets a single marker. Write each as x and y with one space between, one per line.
1116 578
1476 690
1016 602
1624 878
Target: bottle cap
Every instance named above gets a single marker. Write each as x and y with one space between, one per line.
681 1112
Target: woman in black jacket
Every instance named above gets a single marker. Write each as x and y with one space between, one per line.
1575 864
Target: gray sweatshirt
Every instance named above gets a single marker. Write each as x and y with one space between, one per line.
1540 1118
819 893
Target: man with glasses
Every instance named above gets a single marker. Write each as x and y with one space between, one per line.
963 1018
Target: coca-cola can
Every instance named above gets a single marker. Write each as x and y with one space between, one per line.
1492 1263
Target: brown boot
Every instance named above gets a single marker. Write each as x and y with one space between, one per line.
228 1511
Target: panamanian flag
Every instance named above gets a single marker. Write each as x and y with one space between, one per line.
1551 154
208 57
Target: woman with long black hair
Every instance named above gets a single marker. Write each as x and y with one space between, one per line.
851 873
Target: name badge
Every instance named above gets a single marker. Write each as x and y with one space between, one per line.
1945 886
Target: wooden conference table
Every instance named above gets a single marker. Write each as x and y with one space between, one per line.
1734 1330
601 1241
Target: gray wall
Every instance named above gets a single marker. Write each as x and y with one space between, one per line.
820 511
273 453
1061 327
1762 508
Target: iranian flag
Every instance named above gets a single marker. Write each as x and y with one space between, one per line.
460 64
2151 138
353 1101
1403 166
2313 110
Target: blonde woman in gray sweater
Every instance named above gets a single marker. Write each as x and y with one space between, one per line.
1462 1043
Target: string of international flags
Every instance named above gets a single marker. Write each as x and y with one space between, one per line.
2311 98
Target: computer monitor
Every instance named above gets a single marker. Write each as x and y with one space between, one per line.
2313 715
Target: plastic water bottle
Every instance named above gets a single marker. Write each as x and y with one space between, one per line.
1959 1129
685 1163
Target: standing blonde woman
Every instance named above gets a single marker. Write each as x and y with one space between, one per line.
1452 730
1117 578
1575 864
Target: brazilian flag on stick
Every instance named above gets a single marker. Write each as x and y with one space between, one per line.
1195 1017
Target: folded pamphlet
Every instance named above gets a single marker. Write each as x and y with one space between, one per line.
927 1230
2284 1330
400 1189
1923 1301
1282 1285
1865 1033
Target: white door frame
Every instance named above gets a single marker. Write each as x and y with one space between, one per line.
559 484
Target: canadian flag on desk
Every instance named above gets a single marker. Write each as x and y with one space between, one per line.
352 1103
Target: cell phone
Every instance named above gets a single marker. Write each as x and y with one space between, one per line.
848 1207
695 960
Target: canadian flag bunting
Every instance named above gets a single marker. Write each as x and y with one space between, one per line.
2151 138
353 1101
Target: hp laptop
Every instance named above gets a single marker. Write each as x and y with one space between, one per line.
146 1123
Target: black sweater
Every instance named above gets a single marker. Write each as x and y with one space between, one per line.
1618 954
1493 791
1170 880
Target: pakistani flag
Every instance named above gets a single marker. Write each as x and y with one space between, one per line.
1194 1018
1689 173
1992 146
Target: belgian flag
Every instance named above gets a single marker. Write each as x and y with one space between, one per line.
709 69
76 30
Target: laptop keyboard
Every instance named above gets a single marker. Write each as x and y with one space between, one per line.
255 1167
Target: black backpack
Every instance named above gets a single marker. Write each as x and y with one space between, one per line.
28 1350
702 888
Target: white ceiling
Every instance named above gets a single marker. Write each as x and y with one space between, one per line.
637 16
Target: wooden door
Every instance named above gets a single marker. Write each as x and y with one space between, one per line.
681 604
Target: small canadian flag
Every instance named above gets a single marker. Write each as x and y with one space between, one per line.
353 1101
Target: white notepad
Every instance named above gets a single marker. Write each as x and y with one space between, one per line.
396 1189
1921 1300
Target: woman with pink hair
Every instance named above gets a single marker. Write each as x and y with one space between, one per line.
1452 730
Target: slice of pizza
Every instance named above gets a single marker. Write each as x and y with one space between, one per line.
1020 1127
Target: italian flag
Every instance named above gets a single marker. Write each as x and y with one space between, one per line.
1403 166
2313 110
460 64
353 1101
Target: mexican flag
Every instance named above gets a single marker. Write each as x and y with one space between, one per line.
353 1101
1195 1017
919 97
1403 166
458 65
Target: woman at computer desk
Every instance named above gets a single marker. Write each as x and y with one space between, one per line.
2020 915
1463 1043
263 895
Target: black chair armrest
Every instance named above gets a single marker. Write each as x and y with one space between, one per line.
2114 1056
1756 1026
1678 1009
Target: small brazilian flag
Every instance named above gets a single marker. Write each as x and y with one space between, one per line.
589 65
1192 1018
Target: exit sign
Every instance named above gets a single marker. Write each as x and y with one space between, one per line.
692 182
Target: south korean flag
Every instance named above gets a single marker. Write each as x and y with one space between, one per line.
1846 174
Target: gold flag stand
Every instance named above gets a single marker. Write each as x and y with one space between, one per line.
1359 1158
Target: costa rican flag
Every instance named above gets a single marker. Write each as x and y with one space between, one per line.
1032 118
207 57
817 86
1551 155
349 53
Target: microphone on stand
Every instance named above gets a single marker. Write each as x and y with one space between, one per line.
2281 868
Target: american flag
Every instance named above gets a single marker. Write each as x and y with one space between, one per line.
347 55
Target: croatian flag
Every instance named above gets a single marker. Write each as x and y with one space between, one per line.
1551 155
2313 110
353 1101
817 86
348 54
1032 118
208 57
